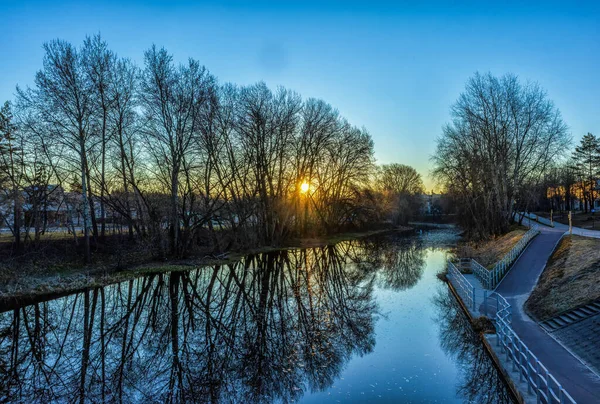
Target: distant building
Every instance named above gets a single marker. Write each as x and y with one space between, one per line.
431 203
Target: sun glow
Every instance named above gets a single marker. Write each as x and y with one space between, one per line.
304 187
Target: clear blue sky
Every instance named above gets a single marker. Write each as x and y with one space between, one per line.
394 68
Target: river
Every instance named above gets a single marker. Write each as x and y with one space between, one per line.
360 321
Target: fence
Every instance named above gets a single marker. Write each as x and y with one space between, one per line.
539 381
463 286
490 279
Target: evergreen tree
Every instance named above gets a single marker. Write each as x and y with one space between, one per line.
587 162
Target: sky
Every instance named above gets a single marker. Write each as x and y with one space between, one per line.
394 68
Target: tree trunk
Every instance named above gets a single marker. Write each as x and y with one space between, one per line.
174 217
86 206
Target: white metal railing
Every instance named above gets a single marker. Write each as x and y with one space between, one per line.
482 273
539 381
463 286
575 230
539 219
491 278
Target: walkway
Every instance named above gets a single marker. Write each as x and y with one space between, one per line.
563 227
581 383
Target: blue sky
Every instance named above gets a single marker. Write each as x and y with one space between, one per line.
394 68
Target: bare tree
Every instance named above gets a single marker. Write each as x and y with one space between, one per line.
503 135
62 99
11 168
182 162
171 97
402 187
99 62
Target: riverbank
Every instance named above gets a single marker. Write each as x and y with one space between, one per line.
37 281
489 252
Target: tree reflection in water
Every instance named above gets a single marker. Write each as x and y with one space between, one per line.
399 260
267 328
480 381
271 327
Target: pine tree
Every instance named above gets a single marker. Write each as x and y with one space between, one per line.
587 162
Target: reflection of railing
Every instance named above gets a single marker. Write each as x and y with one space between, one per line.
539 381
489 279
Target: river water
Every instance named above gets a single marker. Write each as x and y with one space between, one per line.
360 321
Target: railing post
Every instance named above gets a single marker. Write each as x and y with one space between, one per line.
528 375
520 364
497 304
485 303
498 331
473 298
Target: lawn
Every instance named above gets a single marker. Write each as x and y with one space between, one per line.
571 278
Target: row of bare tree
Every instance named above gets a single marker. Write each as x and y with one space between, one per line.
503 139
174 157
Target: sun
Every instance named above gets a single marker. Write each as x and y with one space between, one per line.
304 187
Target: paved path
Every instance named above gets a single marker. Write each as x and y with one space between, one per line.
565 228
581 383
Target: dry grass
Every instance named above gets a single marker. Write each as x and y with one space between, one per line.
487 253
484 325
571 278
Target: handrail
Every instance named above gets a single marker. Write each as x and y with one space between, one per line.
490 279
482 273
539 381
464 286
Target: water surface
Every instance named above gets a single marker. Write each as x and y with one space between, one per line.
358 321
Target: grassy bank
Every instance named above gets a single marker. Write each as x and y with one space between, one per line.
489 252
53 277
571 278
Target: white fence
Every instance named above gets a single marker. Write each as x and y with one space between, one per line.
491 278
539 381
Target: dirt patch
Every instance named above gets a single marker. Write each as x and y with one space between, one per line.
484 325
489 252
571 278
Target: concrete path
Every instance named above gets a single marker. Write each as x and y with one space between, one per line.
564 228
581 383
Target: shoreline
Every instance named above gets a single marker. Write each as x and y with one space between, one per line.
30 290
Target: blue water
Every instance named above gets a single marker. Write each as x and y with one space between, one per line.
361 321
